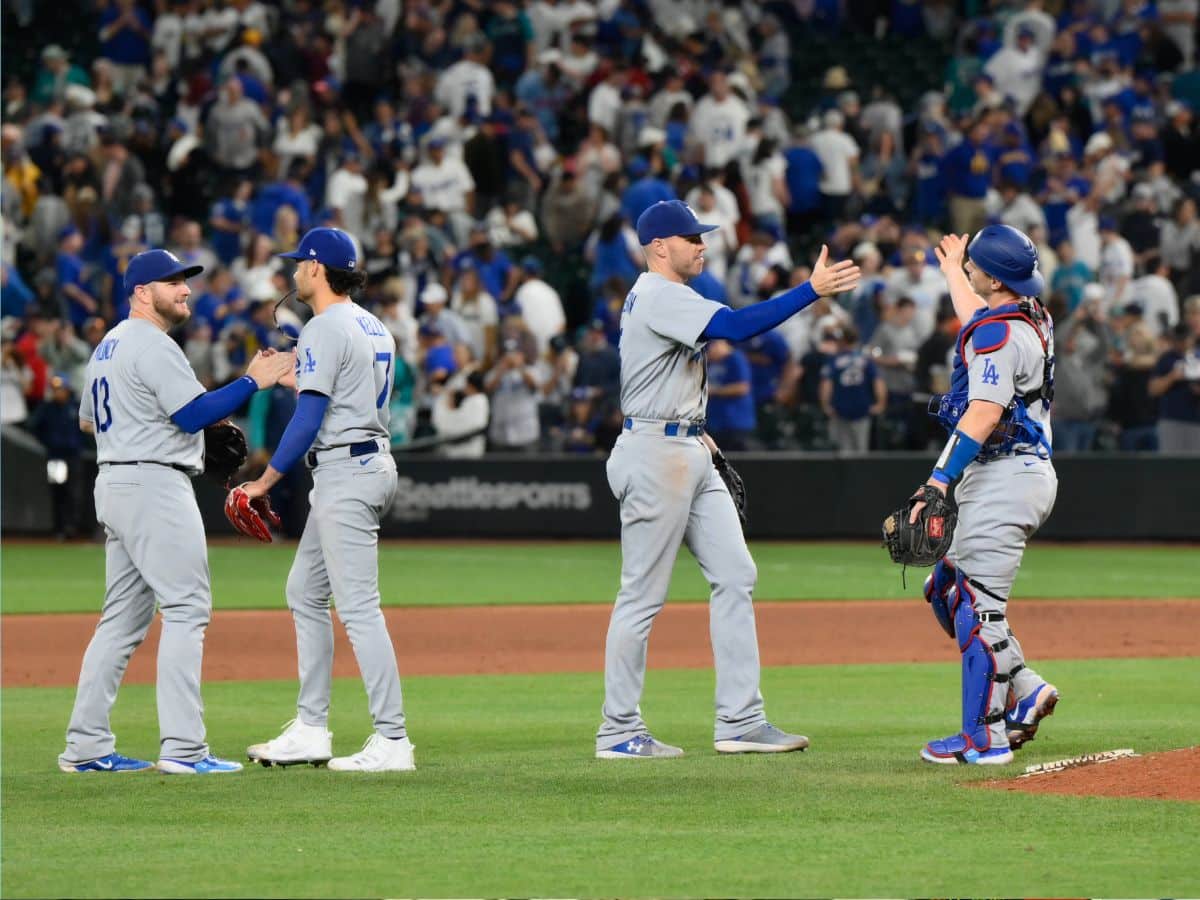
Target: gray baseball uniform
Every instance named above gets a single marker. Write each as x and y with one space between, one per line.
346 354
155 551
669 492
1002 502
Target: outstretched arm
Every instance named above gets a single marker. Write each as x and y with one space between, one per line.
297 438
741 324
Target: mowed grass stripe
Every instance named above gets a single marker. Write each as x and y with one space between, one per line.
507 800
69 578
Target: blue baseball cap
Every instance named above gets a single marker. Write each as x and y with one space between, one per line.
156 265
669 218
329 246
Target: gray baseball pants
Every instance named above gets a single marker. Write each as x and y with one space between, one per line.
1000 506
155 555
338 555
670 493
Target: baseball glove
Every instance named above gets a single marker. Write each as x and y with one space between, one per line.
252 517
225 451
926 541
733 481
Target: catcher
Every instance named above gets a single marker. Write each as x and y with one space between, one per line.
998 416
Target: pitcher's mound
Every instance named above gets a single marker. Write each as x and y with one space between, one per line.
1174 775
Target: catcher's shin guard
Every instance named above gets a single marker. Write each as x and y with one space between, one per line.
938 586
984 677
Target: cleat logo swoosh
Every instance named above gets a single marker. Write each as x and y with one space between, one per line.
105 764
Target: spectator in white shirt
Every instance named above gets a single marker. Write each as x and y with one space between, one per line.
604 103
839 155
579 61
1017 69
296 137
1116 264
477 310
718 123
917 279
346 191
1012 206
1159 301
671 93
468 82
445 184
510 224
462 408
721 243
541 307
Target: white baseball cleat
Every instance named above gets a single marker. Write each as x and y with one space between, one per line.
378 754
766 738
298 744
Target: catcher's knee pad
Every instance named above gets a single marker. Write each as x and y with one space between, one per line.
938 586
984 693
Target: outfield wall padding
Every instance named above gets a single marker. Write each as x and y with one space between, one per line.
805 496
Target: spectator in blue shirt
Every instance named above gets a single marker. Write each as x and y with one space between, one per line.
125 30
496 270
1176 384
852 391
929 191
229 217
770 360
609 252
967 170
644 191
731 418
581 423
803 178
710 287
1014 163
15 294
68 264
289 192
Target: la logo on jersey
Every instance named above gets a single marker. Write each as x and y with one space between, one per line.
990 375
310 364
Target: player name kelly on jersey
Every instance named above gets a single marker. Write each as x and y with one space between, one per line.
348 355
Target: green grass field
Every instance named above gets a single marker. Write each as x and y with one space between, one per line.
70 578
507 800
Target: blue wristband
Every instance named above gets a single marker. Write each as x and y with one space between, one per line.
960 452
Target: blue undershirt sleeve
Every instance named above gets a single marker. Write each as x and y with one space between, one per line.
213 406
301 430
741 324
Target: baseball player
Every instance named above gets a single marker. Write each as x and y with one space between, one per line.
344 361
142 401
663 474
998 414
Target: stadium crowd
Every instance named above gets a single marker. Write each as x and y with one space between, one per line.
490 159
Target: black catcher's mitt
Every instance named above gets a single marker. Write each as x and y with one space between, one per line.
926 541
225 451
733 481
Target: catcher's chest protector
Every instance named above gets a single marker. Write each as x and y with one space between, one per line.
987 332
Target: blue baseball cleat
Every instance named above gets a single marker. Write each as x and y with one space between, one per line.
641 747
114 762
1021 722
210 765
959 749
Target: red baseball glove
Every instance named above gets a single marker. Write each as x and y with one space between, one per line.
251 516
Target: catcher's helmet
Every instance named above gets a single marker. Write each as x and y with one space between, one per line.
1008 256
